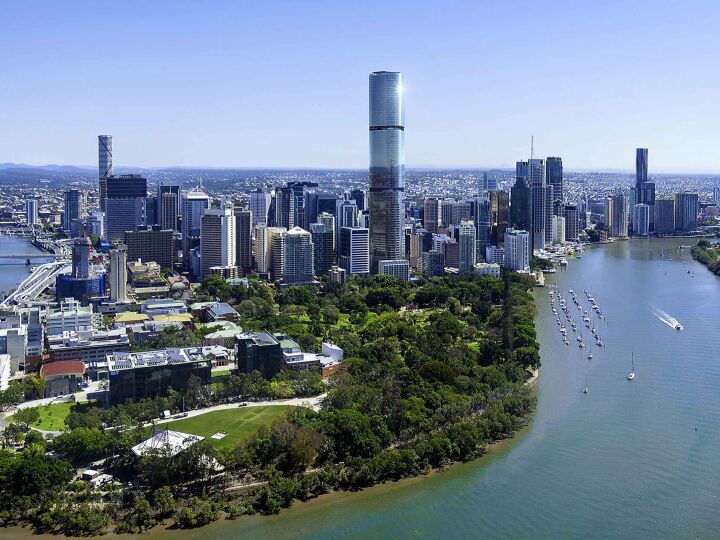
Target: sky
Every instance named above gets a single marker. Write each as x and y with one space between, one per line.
285 84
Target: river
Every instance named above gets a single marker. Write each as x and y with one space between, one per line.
13 271
624 460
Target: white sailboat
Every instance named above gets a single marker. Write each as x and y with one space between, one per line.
631 375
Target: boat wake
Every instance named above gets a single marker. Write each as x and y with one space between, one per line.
668 319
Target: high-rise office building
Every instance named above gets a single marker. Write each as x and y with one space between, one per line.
641 171
346 215
554 178
323 247
517 250
118 274
284 207
72 208
298 256
641 219
217 239
81 257
716 194
31 211
243 239
355 250
432 214
125 205
165 215
490 181
617 215
558 229
261 252
151 244
549 204
194 204
538 201
259 205
664 216
387 167
168 210
276 249
359 196
499 215
572 223
482 216
105 166
328 220
468 245
686 210
520 208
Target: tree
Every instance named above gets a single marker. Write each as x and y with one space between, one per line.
35 474
27 416
164 502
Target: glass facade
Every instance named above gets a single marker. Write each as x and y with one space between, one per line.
387 166
151 381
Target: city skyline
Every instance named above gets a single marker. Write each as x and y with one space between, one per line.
269 111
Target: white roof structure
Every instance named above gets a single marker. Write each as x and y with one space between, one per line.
172 442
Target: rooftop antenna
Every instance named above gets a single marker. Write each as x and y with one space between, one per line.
532 147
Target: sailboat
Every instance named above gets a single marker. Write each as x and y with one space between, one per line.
585 390
631 375
589 356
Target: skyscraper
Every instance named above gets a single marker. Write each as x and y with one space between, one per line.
72 208
520 209
323 247
641 219
105 165
517 250
641 171
194 204
276 251
118 274
259 205
617 215
664 216
468 245
538 202
151 244
298 256
686 210
125 205
31 211
166 216
387 167
355 252
572 224
554 177
168 210
217 239
432 214
243 239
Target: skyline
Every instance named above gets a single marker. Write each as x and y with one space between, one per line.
230 87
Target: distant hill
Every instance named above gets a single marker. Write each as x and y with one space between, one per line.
49 168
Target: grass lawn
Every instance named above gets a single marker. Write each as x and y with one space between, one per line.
239 423
52 417
219 375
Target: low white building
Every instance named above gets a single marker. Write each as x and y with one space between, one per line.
166 441
487 269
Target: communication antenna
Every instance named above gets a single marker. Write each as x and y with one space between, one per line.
532 147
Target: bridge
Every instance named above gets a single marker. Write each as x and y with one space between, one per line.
29 256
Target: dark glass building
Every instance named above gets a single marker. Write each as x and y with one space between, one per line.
125 205
641 171
520 210
133 376
152 244
387 167
258 351
554 177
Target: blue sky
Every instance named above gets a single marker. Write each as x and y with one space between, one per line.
284 84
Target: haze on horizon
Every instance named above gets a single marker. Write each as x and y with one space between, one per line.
225 84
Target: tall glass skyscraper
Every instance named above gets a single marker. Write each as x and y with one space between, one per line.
105 165
387 167
641 171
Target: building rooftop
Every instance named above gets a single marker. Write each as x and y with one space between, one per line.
172 442
62 367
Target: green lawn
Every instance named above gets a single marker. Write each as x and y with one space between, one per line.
219 375
239 423
52 417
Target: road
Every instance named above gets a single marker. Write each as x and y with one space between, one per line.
39 279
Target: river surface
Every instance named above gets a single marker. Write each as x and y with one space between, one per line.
13 271
623 460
